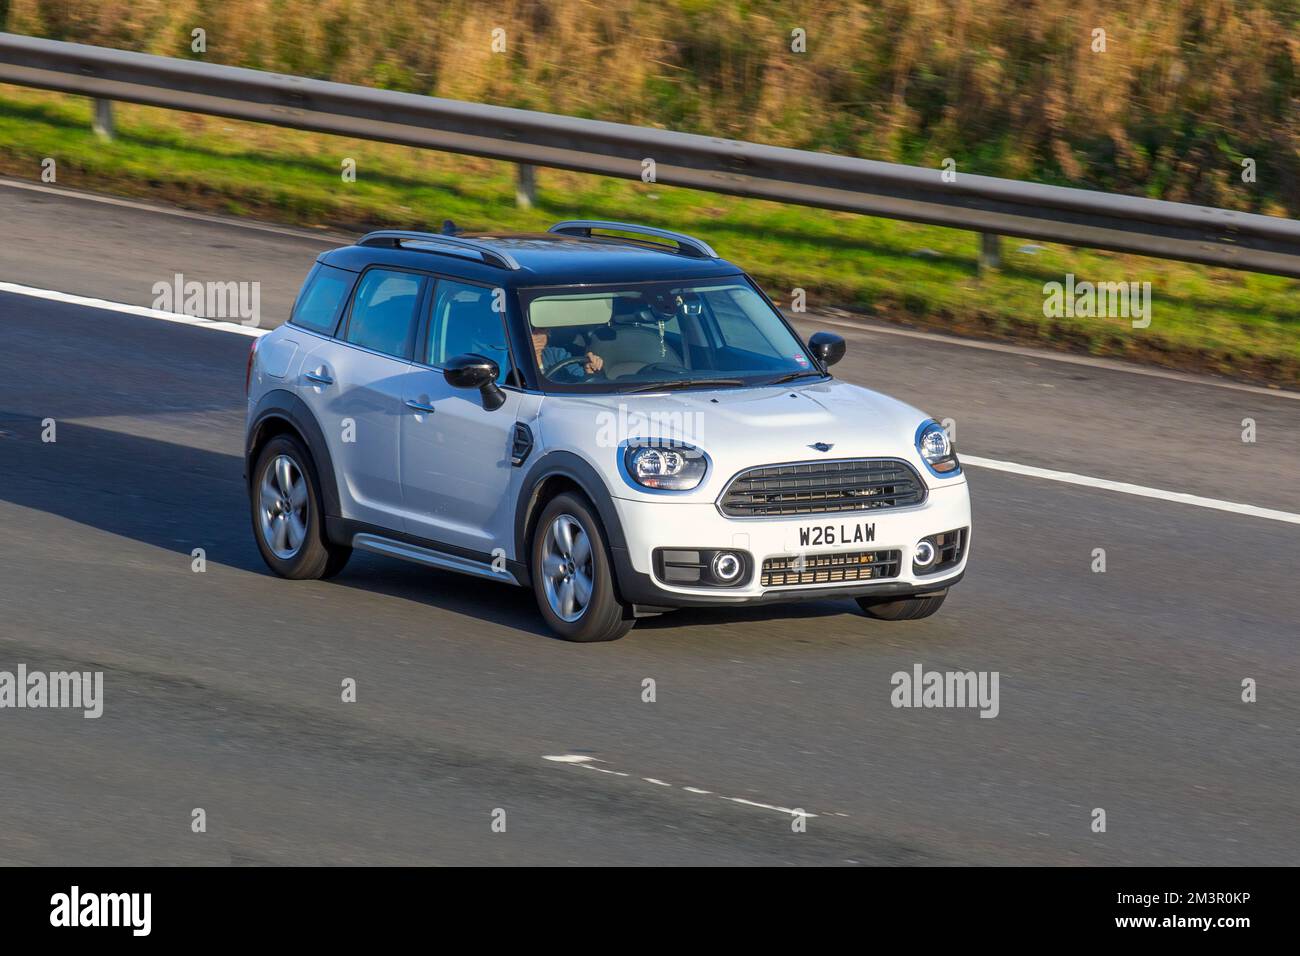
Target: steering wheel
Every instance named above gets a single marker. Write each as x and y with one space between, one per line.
572 360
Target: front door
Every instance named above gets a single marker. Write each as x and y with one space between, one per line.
455 455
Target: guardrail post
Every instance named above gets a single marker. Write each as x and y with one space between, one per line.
990 251
525 186
103 121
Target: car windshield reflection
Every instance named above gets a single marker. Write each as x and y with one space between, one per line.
635 337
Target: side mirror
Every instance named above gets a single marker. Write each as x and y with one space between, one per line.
476 371
827 347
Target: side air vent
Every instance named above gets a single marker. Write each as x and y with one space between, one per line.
522 446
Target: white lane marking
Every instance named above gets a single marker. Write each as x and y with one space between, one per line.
1110 365
612 773
990 463
329 238
138 310
1125 487
588 763
768 806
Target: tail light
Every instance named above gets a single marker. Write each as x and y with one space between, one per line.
248 372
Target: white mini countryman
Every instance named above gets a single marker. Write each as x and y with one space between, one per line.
606 413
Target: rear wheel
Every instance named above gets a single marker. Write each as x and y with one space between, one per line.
902 609
573 579
288 521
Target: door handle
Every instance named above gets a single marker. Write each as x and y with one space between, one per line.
319 377
419 406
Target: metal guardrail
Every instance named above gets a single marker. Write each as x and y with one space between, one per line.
1079 217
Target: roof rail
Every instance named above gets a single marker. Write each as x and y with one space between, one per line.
685 244
453 245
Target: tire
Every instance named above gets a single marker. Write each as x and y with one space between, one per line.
292 541
902 609
567 542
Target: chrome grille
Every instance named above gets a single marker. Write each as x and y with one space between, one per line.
839 486
832 568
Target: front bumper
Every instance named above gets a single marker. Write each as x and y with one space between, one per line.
659 524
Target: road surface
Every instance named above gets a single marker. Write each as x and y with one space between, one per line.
1119 690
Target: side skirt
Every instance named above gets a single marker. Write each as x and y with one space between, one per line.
433 554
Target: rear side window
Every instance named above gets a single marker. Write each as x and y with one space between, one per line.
383 312
321 299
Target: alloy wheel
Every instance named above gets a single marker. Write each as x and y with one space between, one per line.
282 507
567 569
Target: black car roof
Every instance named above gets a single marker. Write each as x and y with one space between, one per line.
542 258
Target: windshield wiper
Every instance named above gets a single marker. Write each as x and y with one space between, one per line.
686 383
794 375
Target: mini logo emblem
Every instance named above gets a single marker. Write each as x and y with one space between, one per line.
822 446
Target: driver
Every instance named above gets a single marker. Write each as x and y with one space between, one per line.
548 356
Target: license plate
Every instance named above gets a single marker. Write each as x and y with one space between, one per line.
852 532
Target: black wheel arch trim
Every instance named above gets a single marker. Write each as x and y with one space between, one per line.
566 464
288 407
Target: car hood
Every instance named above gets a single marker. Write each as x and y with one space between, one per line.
738 428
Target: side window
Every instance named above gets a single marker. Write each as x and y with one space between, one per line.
321 298
462 321
383 312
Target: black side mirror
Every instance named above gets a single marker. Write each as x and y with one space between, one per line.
827 347
475 371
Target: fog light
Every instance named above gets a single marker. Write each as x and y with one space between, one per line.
925 554
726 567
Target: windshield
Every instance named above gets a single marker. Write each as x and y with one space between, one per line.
635 336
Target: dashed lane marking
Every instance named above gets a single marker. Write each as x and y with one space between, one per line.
589 763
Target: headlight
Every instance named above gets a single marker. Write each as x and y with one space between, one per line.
936 449
667 467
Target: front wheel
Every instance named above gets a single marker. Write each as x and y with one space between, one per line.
902 609
573 579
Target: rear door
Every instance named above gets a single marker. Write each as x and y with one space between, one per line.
354 386
456 470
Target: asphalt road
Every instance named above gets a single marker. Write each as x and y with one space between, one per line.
1119 691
